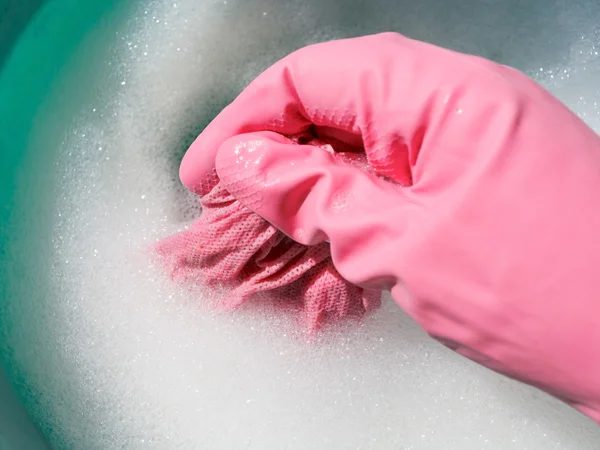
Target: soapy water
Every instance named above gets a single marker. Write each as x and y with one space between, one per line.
117 356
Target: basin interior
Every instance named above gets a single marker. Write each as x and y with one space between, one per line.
97 105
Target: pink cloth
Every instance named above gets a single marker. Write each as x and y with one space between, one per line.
231 247
493 243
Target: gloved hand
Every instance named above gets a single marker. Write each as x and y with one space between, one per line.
483 219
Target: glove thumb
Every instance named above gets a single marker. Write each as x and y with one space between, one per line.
312 197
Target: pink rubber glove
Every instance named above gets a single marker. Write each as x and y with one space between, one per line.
492 244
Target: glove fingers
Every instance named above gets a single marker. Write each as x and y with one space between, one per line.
375 92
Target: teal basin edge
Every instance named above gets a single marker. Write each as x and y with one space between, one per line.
38 40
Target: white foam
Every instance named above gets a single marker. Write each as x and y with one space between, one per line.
121 358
